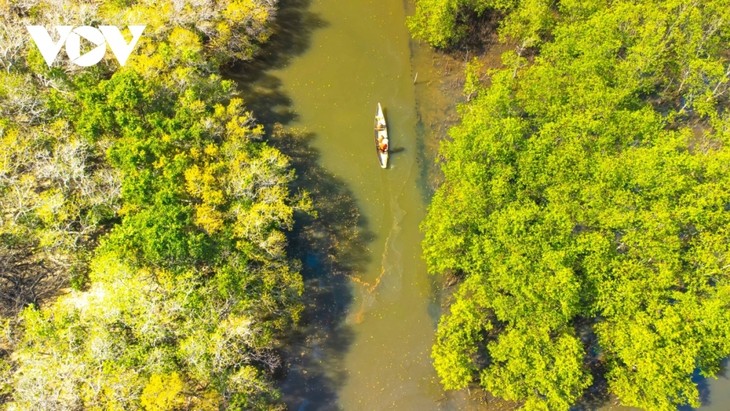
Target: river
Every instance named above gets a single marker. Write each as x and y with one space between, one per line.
372 308
372 351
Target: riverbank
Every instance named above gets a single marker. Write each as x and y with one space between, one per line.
439 86
435 122
438 78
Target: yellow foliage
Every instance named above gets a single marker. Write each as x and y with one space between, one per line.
156 15
148 62
50 207
203 184
119 385
210 401
193 177
208 218
182 75
49 238
185 44
128 208
160 163
235 106
224 34
219 111
165 279
108 268
197 107
239 10
8 147
213 197
163 392
211 150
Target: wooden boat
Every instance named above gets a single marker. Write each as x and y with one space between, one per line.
382 145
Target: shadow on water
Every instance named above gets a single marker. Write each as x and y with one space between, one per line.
331 243
261 90
332 246
703 385
598 396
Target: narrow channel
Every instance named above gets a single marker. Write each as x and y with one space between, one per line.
372 307
347 57
360 56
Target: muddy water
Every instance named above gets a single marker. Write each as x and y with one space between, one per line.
373 351
358 58
371 313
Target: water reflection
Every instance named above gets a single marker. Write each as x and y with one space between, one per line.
261 90
331 243
332 246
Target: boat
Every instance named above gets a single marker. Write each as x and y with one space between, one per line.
382 145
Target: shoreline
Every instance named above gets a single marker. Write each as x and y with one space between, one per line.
439 82
439 78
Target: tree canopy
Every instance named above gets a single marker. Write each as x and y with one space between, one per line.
586 208
150 190
444 23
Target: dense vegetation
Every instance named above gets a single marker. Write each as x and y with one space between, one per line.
444 23
150 191
586 203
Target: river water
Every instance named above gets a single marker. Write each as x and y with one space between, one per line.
372 352
369 325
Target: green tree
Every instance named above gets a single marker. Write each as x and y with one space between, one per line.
444 23
584 196
154 183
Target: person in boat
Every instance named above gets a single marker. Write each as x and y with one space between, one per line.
382 145
380 127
